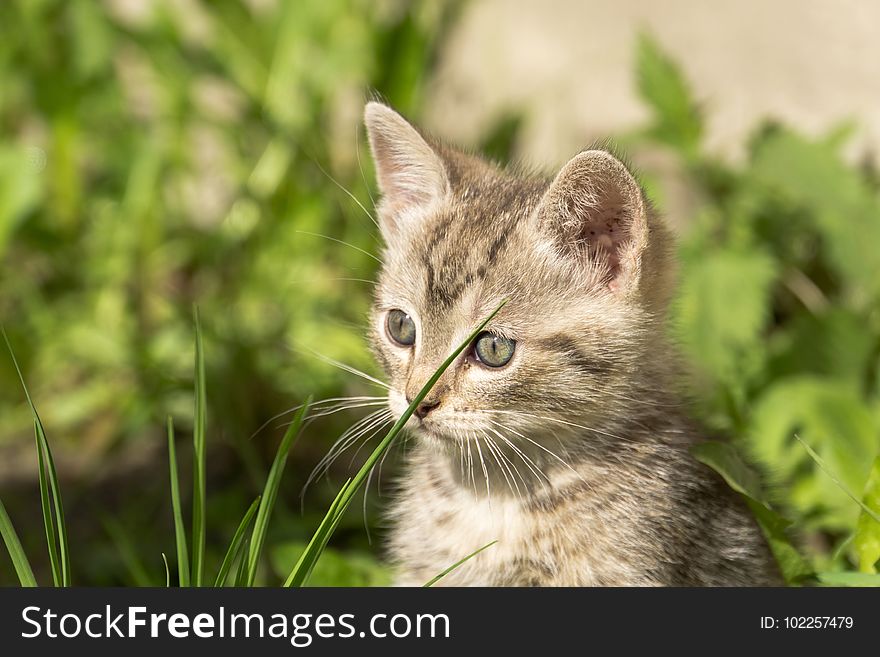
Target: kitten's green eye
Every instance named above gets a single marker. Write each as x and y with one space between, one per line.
401 328
493 350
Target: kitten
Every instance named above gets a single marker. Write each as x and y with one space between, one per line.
558 433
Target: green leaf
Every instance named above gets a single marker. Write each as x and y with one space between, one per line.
866 541
21 188
235 544
663 87
334 567
16 553
724 459
457 564
849 579
179 532
270 492
836 343
722 308
46 507
837 424
47 471
200 420
811 176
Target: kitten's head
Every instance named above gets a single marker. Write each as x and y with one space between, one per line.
580 259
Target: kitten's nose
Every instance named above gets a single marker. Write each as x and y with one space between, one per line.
425 407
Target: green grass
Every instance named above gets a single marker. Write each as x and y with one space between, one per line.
179 532
50 496
200 416
16 552
246 549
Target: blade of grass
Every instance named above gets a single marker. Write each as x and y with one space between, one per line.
235 543
821 463
241 575
60 525
167 571
179 532
45 452
48 520
437 578
16 552
318 542
270 492
301 571
200 420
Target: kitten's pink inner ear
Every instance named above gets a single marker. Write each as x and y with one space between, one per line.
409 172
594 212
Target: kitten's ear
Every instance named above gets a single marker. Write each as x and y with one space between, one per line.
410 173
594 212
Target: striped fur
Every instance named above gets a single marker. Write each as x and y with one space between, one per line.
574 456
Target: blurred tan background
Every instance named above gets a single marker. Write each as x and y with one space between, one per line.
810 64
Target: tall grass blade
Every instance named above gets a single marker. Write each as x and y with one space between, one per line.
48 519
44 452
200 420
167 571
241 575
301 571
824 467
16 552
318 542
270 492
179 532
235 543
457 564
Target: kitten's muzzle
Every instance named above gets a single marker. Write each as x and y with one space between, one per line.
425 407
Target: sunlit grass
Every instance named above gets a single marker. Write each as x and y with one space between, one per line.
244 548
50 498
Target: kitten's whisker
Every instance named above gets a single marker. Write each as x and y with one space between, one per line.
471 466
493 448
381 463
565 422
645 402
512 468
346 440
485 470
357 152
347 368
540 475
317 404
343 242
298 281
382 401
460 442
331 411
344 189
540 446
386 420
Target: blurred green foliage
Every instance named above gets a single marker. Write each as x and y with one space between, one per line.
163 153
157 154
779 311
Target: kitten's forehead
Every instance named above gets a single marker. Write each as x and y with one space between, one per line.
466 245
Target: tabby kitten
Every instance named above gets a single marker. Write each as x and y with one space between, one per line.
558 433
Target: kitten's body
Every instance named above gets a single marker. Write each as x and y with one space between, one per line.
573 456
